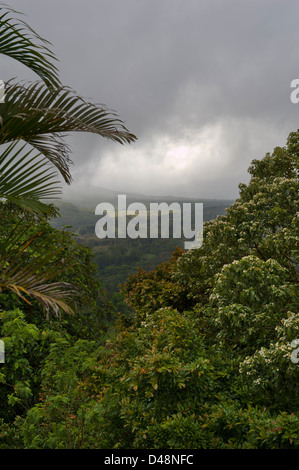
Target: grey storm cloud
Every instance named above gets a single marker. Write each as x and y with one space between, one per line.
205 86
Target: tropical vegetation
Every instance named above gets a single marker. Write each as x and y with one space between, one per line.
207 359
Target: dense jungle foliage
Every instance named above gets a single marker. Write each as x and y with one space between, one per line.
208 357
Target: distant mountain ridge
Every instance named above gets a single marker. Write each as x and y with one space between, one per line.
79 211
90 196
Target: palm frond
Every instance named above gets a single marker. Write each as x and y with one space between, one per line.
26 177
29 277
41 117
19 41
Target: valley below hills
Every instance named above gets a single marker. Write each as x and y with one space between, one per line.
117 258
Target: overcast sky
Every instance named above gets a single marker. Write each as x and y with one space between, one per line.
204 84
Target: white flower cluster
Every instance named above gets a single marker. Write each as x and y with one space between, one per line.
264 357
292 321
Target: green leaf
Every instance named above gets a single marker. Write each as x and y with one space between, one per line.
41 116
25 177
31 278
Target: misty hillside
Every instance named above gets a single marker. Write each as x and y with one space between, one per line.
79 211
117 258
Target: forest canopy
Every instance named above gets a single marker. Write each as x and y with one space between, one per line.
209 357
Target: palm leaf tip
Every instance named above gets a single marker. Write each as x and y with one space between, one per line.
42 117
19 41
34 278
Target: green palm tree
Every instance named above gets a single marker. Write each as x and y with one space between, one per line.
34 120
41 113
